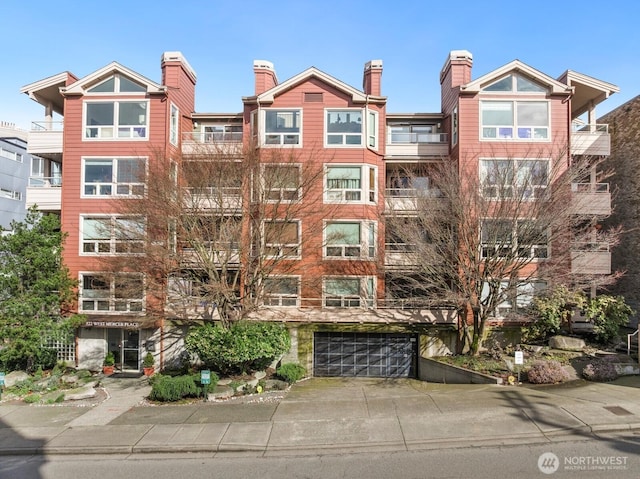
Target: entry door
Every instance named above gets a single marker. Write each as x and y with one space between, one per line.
125 345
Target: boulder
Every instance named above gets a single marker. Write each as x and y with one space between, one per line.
567 343
15 377
86 392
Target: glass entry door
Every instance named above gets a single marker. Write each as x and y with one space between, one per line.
125 345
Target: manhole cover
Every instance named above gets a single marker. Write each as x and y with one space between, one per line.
618 411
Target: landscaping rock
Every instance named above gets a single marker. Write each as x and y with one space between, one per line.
567 343
259 374
626 369
15 377
72 379
221 392
86 392
276 384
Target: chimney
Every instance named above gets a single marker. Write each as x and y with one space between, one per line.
457 69
265 76
371 83
175 67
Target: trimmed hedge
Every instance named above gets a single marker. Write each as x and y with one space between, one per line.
291 372
168 388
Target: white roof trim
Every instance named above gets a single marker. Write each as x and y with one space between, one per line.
78 87
58 79
516 66
268 96
572 77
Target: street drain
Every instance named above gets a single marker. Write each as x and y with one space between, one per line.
618 411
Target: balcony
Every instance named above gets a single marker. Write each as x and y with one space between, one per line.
45 139
590 199
212 143
409 199
592 140
45 192
409 144
590 258
213 198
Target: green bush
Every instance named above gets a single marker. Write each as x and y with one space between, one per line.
609 314
242 347
32 398
291 372
547 372
167 388
548 312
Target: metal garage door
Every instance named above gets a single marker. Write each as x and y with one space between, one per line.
364 355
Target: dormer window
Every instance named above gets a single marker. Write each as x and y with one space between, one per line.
118 84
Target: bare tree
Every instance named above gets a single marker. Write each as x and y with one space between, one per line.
485 235
214 226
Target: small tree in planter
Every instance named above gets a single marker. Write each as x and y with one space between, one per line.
109 364
147 364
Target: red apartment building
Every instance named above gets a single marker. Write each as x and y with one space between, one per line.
332 293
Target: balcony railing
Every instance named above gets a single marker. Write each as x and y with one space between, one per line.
590 258
591 198
406 144
200 142
396 138
590 139
46 192
45 139
400 199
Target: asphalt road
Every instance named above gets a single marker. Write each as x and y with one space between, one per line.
613 456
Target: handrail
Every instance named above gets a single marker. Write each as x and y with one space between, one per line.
629 336
45 181
47 125
589 127
592 246
590 187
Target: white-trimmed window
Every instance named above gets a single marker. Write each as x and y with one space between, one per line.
120 120
221 133
281 182
351 183
348 292
454 126
11 155
113 176
118 84
372 129
514 120
515 84
109 293
503 238
514 178
10 194
282 238
112 235
282 291
174 125
344 127
282 127
350 239
516 298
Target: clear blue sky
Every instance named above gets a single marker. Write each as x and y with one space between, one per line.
220 39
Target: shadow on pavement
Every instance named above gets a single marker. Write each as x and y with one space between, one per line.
21 465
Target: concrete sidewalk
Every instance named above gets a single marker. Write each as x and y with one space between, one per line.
343 415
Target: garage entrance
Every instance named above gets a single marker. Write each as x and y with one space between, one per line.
383 355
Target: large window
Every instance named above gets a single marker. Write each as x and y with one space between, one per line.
281 182
114 177
282 238
118 84
112 235
282 291
11 155
347 183
515 120
344 127
514 178
507 238
349 292
221 133
116 120
400 133
282 127
103 293
515 84
515 298
346 239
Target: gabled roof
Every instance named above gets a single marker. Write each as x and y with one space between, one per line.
356 95
47 90
589 91
80 86
555 86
